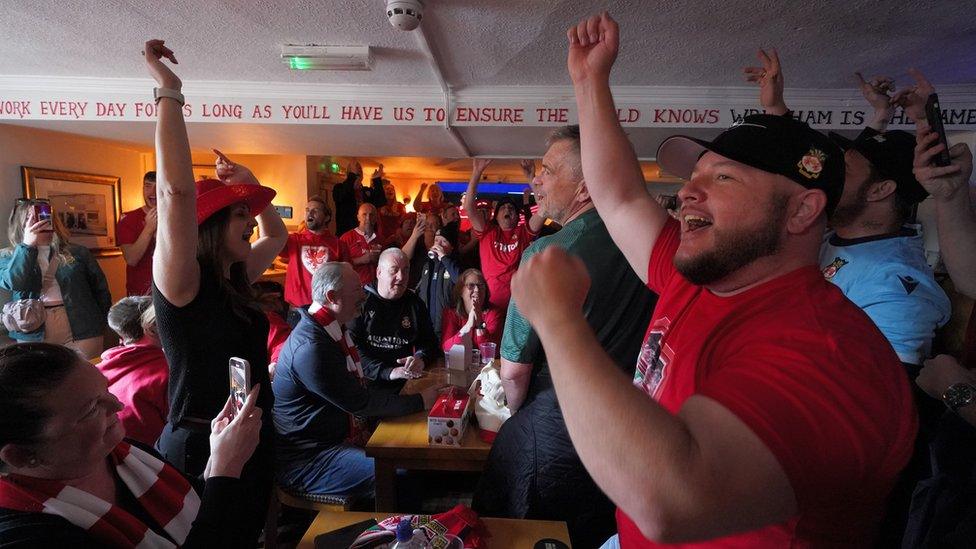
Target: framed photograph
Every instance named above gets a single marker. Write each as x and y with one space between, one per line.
87 205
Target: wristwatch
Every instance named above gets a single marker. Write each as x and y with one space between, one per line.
959 395
159 93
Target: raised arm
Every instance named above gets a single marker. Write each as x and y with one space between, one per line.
876 93
410 247
955 219
770 79
419 198
610 168
175 269
273 233
478 166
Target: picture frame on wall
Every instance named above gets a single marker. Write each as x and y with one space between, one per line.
88 205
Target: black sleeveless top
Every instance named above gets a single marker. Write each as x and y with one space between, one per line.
198 340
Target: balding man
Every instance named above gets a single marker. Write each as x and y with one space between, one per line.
394 335
364 243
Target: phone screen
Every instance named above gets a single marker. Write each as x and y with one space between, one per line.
42 211
240 382
934 115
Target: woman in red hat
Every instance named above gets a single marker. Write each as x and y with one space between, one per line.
202 269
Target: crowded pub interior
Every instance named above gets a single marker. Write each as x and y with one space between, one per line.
507 274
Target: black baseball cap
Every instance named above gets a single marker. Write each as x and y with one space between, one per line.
776 144
891 153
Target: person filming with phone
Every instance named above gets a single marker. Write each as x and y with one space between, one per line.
61 290
68 478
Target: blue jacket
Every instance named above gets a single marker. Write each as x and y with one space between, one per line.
83 288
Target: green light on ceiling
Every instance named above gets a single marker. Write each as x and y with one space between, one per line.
300 64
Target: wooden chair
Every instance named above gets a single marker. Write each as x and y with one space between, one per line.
300 500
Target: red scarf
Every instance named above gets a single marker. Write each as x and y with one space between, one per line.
358 428
161 490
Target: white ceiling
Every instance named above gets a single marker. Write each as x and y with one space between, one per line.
480 44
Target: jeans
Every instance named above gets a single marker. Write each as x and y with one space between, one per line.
341 470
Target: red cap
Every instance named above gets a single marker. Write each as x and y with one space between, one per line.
214 195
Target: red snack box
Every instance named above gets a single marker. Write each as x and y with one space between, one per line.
448 418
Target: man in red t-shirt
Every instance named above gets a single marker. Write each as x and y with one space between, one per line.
136 235
766 409
364 244
308 249
502 240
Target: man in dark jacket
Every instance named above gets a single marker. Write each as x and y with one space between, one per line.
321 398
350 194
441 272
394 335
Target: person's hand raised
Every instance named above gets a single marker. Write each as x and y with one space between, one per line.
528 168
153 52
913 98
876 91
478 165
770 79
942 182
33 227
551 285
593 45
232 173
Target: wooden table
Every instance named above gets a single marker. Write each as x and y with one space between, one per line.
505 533
401 443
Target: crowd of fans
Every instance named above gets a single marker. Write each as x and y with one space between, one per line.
754 369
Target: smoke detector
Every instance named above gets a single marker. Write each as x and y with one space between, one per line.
405 14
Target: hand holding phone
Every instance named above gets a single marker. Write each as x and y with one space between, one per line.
933 113
42 211
240 382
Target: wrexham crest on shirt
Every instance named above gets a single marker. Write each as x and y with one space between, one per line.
812 163
835 265
406 323
314 256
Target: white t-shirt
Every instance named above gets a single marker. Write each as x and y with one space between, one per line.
50 291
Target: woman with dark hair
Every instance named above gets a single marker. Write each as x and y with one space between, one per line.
41 264
202 269
471 313
68 479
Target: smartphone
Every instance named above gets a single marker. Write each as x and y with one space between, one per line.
934 115
42 211
240 382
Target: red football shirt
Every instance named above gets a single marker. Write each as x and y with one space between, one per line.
501 252
138 375
138 278
807 371
305 252
358 245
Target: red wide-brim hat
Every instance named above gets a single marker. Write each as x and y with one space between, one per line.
214 195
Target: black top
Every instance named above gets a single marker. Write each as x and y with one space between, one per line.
344 195
217 523
199 339
436 286
315 392
392 329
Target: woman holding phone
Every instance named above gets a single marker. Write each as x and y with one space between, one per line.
42 264
202 269
68 479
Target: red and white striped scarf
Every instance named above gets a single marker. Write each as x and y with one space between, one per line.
340 335
359 431
161 490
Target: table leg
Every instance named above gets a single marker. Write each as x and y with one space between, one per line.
385 485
